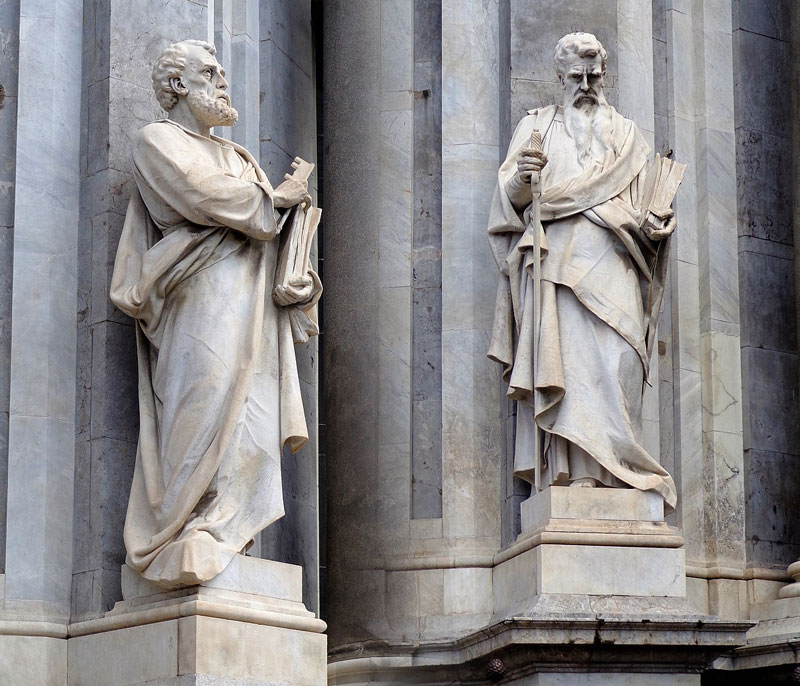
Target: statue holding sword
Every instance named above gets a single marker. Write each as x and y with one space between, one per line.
579 227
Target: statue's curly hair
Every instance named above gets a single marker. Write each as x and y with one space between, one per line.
582 44
170 64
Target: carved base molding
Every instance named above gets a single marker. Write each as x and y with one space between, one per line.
215 634
554 647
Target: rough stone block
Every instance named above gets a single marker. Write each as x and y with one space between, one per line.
771 513
761 87
764 184
769 19
767 302
770 414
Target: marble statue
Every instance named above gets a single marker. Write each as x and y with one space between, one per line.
580 222
219 394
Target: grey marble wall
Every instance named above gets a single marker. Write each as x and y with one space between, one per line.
286 120
9 39
269 61
763 80
537 26
120 41
351 102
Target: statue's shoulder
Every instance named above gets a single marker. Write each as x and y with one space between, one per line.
158 133
539 118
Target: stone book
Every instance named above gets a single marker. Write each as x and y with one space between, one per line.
662 183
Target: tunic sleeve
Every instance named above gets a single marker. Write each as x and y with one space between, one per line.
168 163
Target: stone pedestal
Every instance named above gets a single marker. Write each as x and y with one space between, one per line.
593 593
247 625
596 579
594 542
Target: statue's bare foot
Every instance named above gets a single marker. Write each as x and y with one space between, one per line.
587 482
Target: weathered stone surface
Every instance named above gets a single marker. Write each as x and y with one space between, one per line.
773 521
769 406
767 288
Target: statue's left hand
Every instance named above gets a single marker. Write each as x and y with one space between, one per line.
657 228
298 290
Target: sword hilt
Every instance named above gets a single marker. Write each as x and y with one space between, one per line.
535 144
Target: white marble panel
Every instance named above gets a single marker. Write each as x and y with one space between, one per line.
635 64
397 45
394 490
722 383
717 210
470 153
682 69
689 449
396 198
394 359
402 602
244 82
469 275
471 437
625 571
470 106
684 242
686 314
39 515
430 591
727 599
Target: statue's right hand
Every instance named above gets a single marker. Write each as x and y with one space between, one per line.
530 161
291 192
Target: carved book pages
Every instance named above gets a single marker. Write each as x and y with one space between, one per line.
662 183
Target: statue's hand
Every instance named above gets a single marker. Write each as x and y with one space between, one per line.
530 161
298 290
291 192
657 228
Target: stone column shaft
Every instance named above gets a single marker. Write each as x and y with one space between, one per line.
705 291
43 343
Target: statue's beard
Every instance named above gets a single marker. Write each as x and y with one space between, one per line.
588 126
211 111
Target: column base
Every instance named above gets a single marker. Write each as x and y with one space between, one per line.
217 633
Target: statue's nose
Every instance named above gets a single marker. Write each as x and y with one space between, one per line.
585 83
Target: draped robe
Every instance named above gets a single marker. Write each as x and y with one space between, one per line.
602 283
219 393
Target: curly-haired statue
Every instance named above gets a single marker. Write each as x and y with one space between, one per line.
197 268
